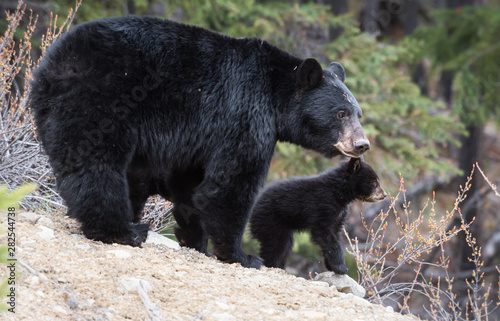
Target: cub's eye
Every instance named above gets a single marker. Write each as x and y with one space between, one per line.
341 114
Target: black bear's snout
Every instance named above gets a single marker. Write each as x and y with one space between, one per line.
362 145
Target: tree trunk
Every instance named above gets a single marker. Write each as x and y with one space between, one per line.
452 4
370 17
469 154
337 7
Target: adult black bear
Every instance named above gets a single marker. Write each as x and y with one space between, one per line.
318 204
130 107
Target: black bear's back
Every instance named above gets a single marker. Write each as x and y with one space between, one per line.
152 76
114 53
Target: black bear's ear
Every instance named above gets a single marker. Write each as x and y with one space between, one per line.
354 164
309 73
338 70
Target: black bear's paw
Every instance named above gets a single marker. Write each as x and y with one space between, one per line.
337 268
254 262
188 239
134 236
140 233
248 261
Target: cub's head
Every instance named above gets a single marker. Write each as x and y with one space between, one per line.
327 114
364 180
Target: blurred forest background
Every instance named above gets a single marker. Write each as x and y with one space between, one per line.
427 76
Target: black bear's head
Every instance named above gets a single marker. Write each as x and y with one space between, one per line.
364 181
324 114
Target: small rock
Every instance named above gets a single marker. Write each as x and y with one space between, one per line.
59 309
46 234
320 283
359 301
86 304
62 280
290 315
28 243
40 294
180 274
33 280
342 282
223 317
121 254
155 238
133 284
321 290
28 217
42 277
84 247
313 315
45 221
268 311
72 303
78 235
222 304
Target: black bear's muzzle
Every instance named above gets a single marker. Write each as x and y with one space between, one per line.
362 145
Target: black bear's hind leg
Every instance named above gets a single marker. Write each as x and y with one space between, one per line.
99 200
140 180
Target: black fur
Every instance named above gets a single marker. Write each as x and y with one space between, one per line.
318 204
130 107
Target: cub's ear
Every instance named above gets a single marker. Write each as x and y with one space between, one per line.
354 164
309 74
338 70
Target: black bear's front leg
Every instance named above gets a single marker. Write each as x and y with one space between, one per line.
330 242
190 233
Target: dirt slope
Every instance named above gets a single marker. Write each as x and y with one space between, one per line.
63 276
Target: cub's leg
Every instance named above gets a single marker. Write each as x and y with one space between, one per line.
330 242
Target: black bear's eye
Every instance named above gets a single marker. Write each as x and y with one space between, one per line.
341 114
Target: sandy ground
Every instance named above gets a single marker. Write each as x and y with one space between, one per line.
63 276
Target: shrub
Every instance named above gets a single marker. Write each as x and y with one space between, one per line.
396 265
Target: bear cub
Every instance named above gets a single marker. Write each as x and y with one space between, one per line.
319 204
